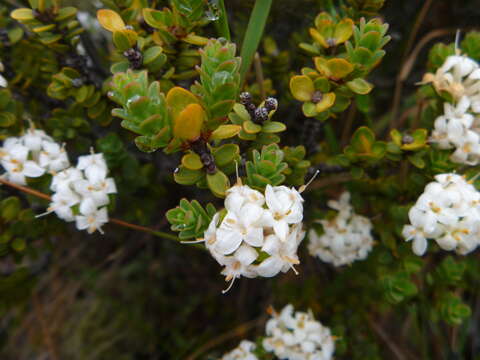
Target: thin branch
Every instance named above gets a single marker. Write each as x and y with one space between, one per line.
259 74
330 180
239 331
47 336
413 34
407 68
119 222
390 343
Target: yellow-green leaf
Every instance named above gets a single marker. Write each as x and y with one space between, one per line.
178 99
192 161
218 183
251 128
318 37
225 132
110 20
189 122
22 14
339 68
302 88
326 102
343 31
360 86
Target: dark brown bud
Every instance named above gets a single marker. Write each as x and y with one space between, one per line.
407 139
261 115
317 97
271 103
245 98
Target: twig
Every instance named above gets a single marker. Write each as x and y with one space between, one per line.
383 335
240 330
407 68
47 336
336 179
259 74
41 195
348 124
411 39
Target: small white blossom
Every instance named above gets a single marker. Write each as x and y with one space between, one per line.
91 218
94 167
448 212
347 236
298 336
17 164
53 157
286 207
458 76
244 351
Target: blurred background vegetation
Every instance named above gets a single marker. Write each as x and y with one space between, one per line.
128 295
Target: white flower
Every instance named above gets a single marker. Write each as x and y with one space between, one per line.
458 76
62 203
347 237
98 192
238 227
91 218
33 139
244 351
65 178
53 156
283 254
18 166
298 336
449 212
94 166
285 207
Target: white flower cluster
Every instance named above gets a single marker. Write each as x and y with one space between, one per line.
31 155
448 211
459 127
259 235
298 336
242 352
347 237
87 187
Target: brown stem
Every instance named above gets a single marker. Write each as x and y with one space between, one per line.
239 331
47 336
407 68
259 74
411 39
44 196
383 335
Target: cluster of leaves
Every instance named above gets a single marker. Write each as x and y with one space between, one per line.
340 64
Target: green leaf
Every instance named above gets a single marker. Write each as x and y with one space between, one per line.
218 183
253 35
192 161
273 127
360 86
225 154
186 176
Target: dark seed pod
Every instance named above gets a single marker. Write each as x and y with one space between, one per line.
134 56
261 114
317 97
246 98
407 139
271 103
